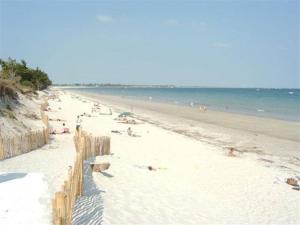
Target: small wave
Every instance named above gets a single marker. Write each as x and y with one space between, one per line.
260 110
291 93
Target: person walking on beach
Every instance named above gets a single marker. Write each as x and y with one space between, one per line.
78 123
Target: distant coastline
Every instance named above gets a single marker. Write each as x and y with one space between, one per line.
108 85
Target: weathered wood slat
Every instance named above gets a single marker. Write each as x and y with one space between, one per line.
86 146
26 142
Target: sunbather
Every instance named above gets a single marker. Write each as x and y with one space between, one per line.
116 131
65 129
231 152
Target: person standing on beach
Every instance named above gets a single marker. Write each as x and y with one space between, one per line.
129 131
78 123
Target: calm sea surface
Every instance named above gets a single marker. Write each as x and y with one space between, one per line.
275 103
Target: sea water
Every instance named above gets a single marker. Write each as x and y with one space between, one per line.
275 103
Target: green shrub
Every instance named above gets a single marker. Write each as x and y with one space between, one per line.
35 79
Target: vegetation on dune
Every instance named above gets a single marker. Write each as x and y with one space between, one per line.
20 76
7 88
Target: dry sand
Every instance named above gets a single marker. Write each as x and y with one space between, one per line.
27 199
195 182
275 140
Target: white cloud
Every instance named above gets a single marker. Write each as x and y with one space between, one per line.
220 45
171 22
105 19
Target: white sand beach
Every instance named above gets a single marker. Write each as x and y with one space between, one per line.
148 112
195 182
191 181
277 141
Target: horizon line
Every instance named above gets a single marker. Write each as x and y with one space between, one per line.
164 85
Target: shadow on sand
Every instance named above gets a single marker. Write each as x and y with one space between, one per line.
106 174
11 176
89 207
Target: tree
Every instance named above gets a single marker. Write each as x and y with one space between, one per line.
35 78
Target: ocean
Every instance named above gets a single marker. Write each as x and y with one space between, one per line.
274 103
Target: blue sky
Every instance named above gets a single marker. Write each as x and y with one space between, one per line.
207 43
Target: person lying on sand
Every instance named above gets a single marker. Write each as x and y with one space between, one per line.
131 121
128 121
96 108
151 168
116 131
59 120
85 114
65 129
231 152
52 132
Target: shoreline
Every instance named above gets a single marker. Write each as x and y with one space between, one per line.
276 140
260 108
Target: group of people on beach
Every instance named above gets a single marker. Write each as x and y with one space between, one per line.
64 130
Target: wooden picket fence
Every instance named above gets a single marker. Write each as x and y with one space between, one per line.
12 146
63 203
25 142
44 106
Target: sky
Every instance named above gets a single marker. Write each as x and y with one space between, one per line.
204 43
